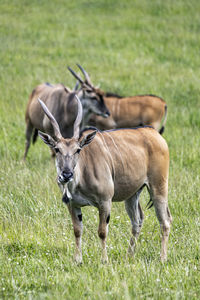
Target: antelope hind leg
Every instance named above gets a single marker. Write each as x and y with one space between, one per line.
136 216
165 220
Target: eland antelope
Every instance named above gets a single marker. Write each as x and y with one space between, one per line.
60 101
98 168
128 112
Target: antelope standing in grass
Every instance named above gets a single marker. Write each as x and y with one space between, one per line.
98 168
60 101
127 112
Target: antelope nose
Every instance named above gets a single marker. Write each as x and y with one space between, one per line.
67 175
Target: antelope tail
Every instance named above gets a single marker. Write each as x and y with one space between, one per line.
35 135
164 121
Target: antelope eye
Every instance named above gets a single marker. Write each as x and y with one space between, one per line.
89 91
56 150
78 151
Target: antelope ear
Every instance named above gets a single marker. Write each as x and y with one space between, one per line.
87 139
47 139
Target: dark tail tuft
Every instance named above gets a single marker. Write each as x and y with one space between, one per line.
149 204
162 129
35 135
164 121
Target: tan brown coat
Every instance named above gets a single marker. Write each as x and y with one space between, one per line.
97 169
60 101
128 112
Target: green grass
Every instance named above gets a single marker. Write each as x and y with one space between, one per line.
129 47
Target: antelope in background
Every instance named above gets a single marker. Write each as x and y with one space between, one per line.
60 101
128 112
98 168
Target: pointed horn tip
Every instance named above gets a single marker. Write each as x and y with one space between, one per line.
71 70
82 69
75 75
87 77
79 66
41 103
39 100
68 67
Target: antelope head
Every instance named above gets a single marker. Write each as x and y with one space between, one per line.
92 97
67 150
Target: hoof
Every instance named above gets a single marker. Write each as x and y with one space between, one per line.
104 260
163 259
78 258
131 251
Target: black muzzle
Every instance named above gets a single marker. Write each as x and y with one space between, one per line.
64 177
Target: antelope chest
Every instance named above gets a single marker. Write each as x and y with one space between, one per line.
76 197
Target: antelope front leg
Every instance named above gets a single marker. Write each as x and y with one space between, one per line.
78 228
104 218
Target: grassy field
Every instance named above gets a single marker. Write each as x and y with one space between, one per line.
129 47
